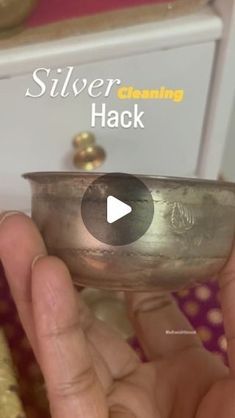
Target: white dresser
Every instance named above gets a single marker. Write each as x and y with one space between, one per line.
36 133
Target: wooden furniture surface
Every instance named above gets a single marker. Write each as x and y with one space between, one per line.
57 19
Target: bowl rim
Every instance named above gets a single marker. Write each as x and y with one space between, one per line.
37 175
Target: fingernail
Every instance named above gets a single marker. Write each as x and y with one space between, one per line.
35 260
5 215
145 302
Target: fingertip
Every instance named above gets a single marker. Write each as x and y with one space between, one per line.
11 220
4 215
141 302
49 265
35 260
17 230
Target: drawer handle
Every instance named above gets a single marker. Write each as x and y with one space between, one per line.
88 155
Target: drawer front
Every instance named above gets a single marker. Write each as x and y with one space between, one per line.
36 133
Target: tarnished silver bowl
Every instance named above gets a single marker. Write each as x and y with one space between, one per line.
188 241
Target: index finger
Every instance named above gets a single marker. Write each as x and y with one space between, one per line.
20 244
73 387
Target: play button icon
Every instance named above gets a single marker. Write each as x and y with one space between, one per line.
117 209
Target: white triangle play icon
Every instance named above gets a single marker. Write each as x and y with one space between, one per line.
116 209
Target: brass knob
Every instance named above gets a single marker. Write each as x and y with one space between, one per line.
88 155
14 12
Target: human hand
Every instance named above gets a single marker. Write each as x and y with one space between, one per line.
89 371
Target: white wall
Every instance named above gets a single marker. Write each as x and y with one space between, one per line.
228 166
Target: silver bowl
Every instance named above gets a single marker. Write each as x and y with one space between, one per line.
188 242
